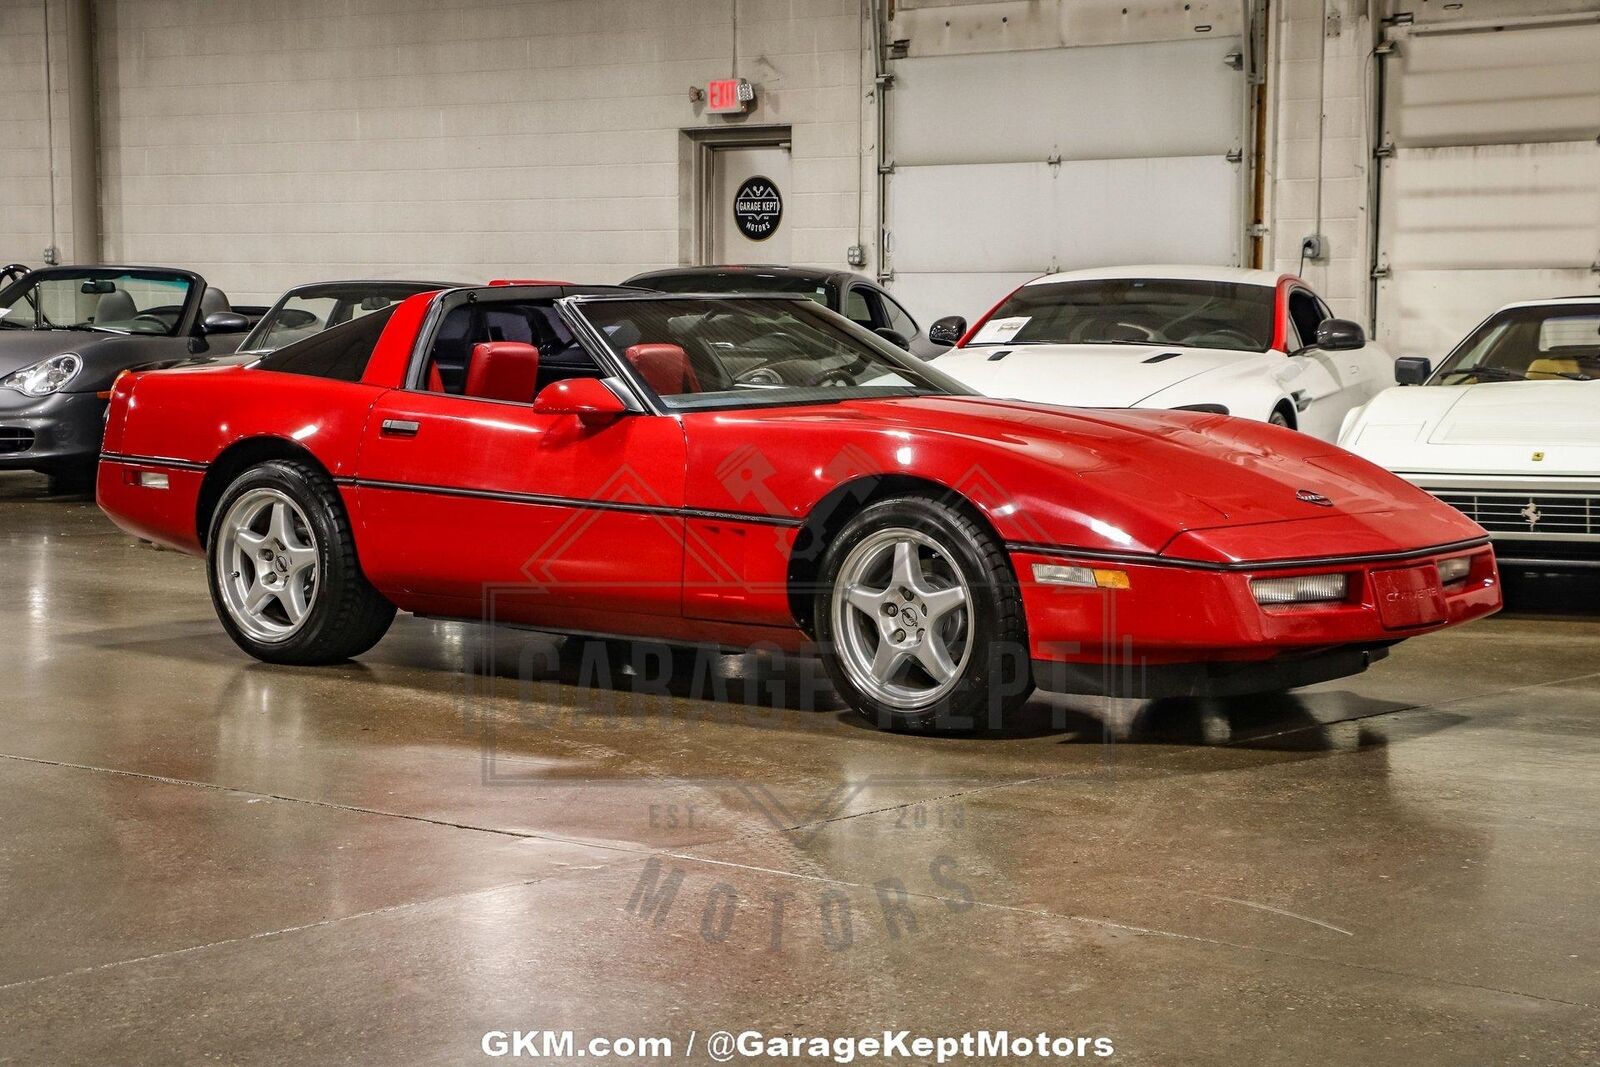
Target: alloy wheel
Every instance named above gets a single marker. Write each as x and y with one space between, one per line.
267 564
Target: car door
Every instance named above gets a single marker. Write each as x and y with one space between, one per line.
1324 385
476 503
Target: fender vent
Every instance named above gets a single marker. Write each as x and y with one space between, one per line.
1162 358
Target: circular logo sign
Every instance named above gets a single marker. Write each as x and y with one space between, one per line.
758 208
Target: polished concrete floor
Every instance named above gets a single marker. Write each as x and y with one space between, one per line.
205 858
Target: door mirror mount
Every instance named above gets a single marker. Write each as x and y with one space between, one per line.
894 337
590 399
948 330
1413 370
1340 335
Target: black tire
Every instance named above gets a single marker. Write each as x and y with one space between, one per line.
346 616
996 678
1278 418
72 479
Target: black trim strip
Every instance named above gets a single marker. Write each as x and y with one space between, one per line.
153 461
572 502
1142 559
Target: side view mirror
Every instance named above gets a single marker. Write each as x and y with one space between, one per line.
1340 335
894 337
225 322
1413 370
948 330
590 399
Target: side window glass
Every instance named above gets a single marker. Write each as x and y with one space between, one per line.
899 320
856 307
1305 315
528 348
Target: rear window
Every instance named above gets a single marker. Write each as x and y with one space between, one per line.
340 353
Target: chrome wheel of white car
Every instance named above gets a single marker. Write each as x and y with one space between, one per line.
902 618
267 564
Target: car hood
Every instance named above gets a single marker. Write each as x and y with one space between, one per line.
1121 479
1535 428
1116 376
20 348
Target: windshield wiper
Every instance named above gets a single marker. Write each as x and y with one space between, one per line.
1499 374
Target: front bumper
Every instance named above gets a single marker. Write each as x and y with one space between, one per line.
1185 628
47 432
1550 523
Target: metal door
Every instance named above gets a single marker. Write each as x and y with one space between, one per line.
748 209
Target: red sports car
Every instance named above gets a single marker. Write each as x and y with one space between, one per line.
755 470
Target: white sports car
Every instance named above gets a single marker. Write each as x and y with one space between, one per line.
1251 343
1507 429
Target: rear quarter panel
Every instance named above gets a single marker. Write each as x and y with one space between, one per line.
179 422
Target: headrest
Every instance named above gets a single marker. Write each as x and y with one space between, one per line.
665 368
503 370
1553 368
115 306
213 300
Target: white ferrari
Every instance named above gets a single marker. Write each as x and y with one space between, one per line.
1507 429
1251 343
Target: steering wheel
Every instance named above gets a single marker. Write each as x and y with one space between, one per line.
836 378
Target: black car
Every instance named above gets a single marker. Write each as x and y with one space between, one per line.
857 298
65 335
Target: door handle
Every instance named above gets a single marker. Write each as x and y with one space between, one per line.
400 428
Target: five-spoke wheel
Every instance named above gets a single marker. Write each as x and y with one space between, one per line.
270 556
901 618
284 574
920 619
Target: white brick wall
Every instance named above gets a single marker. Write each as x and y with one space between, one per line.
267 144
25 216
1303 82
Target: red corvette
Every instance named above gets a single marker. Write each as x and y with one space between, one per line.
755 470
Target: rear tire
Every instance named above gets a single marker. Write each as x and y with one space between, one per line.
1278 418
283 572
920 619
72 479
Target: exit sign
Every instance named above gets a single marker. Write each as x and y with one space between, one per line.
729 96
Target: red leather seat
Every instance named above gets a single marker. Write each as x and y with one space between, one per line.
503 370
665 368
435 379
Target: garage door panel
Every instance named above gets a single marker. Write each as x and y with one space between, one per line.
1428 311
1526 84
1106 102
1022 217
1493 206
935 295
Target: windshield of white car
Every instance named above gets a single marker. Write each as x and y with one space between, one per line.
1134 311
1541 343
104 300
702 353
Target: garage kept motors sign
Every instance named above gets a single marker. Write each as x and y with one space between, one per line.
758 208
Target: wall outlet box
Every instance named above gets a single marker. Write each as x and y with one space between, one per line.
1314 247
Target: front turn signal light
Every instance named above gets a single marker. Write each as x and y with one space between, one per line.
1302 589
1454 571
1082 577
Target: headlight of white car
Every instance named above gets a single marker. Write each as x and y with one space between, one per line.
46 376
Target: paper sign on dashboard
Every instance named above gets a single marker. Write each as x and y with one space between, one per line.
999 331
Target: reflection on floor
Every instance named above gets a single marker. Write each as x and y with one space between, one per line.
203 856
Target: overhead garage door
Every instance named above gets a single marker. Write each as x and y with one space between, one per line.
1490 189
1009 165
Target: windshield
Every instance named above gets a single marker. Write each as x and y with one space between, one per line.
744 352
1533 343
308 311
112 301
1134 311
739 282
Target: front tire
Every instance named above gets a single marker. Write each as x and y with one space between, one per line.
920 619
283 571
